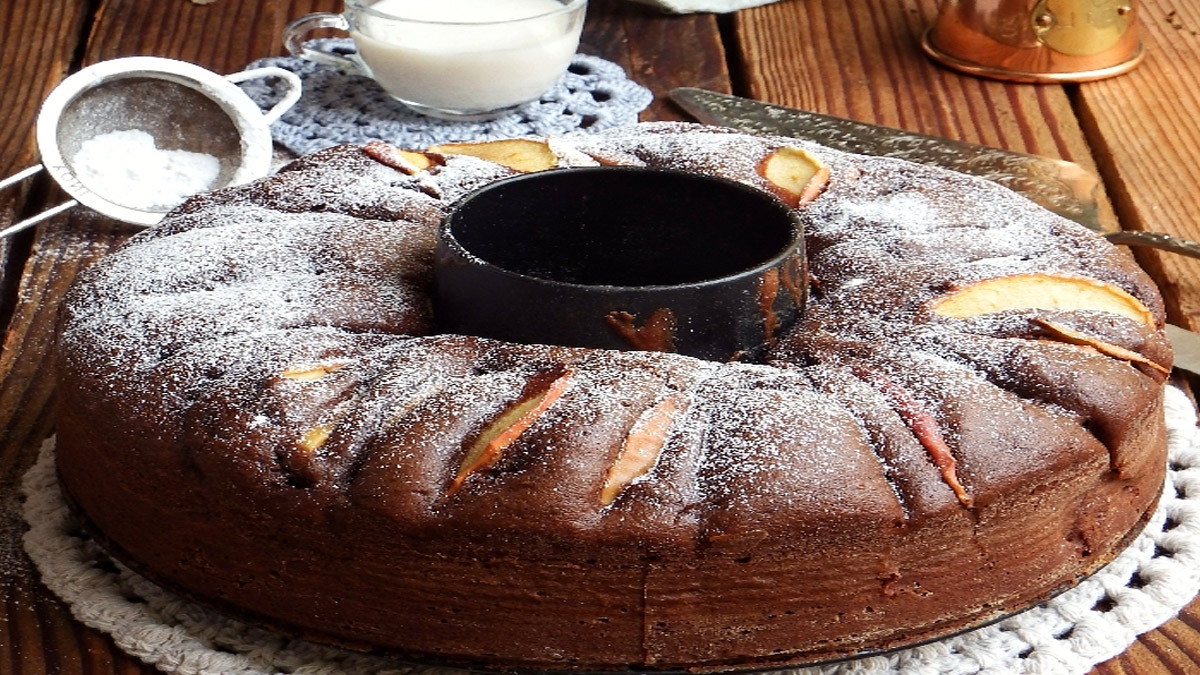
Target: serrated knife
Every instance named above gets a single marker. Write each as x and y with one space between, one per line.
1058 185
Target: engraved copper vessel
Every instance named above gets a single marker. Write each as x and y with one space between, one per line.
1036 40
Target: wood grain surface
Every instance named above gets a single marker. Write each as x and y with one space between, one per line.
862 60
1145 130
854 58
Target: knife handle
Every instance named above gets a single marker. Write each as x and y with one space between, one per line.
1157 240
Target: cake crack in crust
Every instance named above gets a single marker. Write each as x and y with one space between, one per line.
966 419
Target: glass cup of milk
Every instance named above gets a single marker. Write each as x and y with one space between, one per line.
452 59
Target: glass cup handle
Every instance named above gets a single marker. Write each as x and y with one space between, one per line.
295 31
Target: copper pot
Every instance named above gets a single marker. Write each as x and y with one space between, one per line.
1036 40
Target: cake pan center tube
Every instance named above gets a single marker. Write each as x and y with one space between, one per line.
622 258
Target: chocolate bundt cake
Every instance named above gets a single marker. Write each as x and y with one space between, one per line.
256 408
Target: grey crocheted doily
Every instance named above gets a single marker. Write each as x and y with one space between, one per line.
1098 619
339 107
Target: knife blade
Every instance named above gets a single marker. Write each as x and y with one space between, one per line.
1186 345
1063 187
1058 185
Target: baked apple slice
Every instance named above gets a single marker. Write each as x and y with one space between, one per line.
794 174
519 154
1075 337
504 430
1041 291
404 161
642 447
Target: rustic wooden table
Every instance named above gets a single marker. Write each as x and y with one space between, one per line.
852 58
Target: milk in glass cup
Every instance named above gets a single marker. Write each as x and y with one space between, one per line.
453 59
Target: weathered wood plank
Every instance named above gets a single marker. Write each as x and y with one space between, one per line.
38 42
220 36
863 60
1145 128
657 50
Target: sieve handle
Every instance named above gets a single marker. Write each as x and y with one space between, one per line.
33 220
290 80
20 176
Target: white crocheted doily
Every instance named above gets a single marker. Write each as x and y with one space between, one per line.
339 107
1143 588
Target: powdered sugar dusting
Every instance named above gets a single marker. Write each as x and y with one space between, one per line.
337 250
127 167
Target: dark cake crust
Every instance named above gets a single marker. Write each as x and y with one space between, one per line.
279 431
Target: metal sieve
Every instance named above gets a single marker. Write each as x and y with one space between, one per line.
180 104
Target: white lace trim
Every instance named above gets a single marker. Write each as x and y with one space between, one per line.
1143 588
